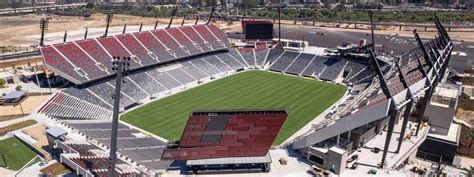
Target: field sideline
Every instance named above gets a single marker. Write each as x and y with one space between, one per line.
303 98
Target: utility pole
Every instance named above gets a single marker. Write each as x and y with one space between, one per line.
109 19
171 19
182 22
210 16
85 34
279 23
372 26
65 36
121 66
43 26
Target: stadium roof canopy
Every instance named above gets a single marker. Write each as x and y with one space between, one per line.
14 95
225 134
231 160
56 132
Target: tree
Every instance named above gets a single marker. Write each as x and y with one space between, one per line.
90 5
18 88
2 83
470 135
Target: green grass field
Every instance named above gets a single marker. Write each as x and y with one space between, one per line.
15 152
303 98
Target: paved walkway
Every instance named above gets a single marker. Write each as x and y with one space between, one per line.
33 170
6 172
10 122
294 168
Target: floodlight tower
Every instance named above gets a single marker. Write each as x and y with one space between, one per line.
210 16
121 66
372 28
108 20
279 23
171 18
43 26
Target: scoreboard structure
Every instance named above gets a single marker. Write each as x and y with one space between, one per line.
257 30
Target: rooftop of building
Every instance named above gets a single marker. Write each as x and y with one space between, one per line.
452 136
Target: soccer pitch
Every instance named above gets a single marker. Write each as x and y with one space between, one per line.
303 98
16 153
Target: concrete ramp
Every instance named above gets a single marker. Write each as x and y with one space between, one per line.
344 124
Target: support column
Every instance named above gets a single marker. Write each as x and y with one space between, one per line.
422 110
338 140
349 134
406 116
446 63
391 124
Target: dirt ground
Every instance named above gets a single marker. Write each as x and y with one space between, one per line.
14 29
29 105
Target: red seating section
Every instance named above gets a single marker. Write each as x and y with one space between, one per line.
96 51
246 134
169 42
113 46
150 42
208 36
100 50
115 49
219 34
80 59
194 37
55 60
95 163
133 45
183 40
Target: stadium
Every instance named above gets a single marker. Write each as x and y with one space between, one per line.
191 95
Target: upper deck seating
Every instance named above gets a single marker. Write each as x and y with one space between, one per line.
196 37
59 63
209 37
88 60
94 50
155 46
169 42
182 39
136 49
80 59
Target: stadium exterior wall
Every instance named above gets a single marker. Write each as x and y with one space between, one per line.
345 124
